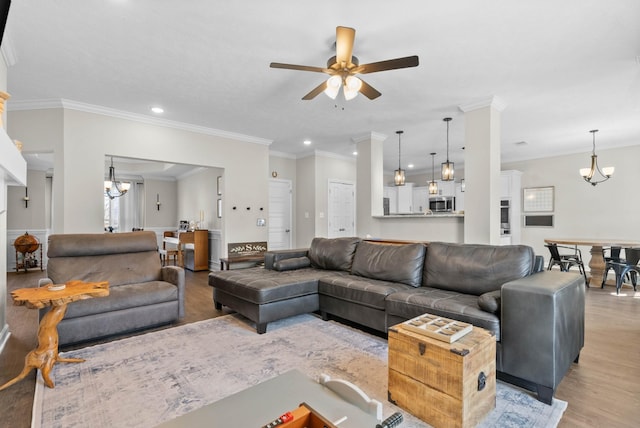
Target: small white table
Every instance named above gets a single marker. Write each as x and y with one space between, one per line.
264 402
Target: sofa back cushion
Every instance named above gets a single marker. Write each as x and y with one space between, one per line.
120 258
390 262
475 269
333 254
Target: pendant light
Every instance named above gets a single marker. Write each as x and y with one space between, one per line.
589 173
433 186
114 188
398 177
447 167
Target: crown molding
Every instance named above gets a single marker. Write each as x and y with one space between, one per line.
333 156
106 111
493 101
369 136
281 154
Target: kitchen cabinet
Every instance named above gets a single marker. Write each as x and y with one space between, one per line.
420 199
459 197
446 188
400 198
510 183
405 198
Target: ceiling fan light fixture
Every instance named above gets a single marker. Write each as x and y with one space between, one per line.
351 88
333 86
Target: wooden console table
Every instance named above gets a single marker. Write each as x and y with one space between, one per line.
226 262
198 242
46 353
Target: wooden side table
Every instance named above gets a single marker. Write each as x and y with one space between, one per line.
46 353
444 384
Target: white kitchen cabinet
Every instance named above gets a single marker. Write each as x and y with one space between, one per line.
446 188
420 199
405 198
390 192
459 198
510 182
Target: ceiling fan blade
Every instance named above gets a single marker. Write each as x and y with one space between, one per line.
390 64
369 91
316 91
300 67
344 44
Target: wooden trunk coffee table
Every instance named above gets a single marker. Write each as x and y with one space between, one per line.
46 353
444 384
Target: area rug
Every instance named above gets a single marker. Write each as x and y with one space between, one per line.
145 380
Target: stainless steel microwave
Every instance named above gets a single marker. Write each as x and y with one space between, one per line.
442 204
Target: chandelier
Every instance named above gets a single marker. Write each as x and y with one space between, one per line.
589 174
447 167
433 186
398 177
114 188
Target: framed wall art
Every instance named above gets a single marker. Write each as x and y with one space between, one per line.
537 199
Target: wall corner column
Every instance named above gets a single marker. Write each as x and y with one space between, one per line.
370 182
482 171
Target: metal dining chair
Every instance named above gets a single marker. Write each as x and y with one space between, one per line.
567 260
628 266
613 257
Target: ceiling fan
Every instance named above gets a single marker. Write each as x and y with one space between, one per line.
343 69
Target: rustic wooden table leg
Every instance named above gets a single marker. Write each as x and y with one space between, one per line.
46 354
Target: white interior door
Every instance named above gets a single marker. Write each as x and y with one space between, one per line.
279 215
341 209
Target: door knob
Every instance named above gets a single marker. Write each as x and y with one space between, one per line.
287 230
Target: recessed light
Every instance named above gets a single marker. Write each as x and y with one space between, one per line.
355 153
157 110
307 142
410 166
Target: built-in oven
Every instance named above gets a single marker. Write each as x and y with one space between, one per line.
505 217
442 204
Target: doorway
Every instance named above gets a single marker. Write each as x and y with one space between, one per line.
341 209
280 214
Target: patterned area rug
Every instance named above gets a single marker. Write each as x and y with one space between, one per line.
145 380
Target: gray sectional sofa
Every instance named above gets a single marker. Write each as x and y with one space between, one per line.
142 293
537 316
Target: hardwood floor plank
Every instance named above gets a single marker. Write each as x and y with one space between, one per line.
603 390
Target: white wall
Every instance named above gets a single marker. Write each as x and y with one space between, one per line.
88 137
608 210
167 192
305 196
197 193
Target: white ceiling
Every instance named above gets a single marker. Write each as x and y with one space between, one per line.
562 68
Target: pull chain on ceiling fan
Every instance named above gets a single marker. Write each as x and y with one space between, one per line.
343 69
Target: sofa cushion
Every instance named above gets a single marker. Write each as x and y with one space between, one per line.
490 302
118 269
292 264
363 291
388 262
411 303
125 297
475 269
333 254
258 285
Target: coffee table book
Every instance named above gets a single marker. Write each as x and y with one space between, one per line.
440 328
444 384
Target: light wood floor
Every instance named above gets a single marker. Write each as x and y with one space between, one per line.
603 390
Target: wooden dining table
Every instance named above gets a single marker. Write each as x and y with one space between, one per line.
596 264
